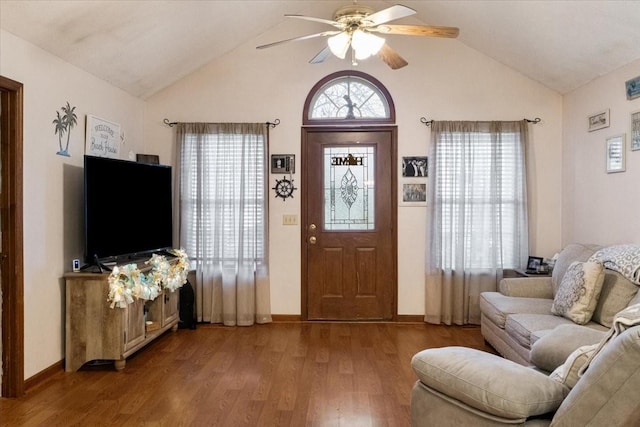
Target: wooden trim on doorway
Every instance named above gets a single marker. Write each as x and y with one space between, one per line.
11 260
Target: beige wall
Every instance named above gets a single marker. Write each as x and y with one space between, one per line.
599 207
445 80
53 184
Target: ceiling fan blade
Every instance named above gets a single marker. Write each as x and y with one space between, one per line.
311 18
417 30
389 14
391 57
310 36
321 56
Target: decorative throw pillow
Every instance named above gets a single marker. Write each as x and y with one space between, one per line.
568 373
579 290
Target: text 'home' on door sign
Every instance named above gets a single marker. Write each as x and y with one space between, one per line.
349 160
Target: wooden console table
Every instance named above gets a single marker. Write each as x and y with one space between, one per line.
94 331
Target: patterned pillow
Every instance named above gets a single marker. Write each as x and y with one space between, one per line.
579 291
569 372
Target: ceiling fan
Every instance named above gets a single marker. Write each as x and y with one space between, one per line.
356 25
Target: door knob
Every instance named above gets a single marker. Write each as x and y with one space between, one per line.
312 240
312 227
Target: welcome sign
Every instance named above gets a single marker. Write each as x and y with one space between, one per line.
102 138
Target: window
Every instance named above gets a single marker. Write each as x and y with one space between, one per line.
349 188
479 196
223 196
348 97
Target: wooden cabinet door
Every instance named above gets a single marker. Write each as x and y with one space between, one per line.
170 307
134 324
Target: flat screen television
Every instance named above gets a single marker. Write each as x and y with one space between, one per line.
127 209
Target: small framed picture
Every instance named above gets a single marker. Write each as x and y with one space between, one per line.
533 263
154 159
283 163
615 154
414 194
415 166
632 88
635 131
599 120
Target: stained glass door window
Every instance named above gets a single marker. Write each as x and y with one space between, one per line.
349 188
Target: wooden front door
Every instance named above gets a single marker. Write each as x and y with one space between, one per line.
349 247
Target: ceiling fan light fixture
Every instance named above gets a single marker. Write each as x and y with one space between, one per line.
339 44
366 44
360 27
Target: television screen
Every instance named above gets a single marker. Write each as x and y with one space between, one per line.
127 208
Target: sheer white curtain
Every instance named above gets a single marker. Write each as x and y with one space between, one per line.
223 219
477 214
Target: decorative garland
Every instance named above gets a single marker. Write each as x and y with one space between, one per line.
128 282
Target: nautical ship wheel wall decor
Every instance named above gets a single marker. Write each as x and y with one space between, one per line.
284 188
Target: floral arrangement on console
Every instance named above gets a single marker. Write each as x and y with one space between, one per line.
128 282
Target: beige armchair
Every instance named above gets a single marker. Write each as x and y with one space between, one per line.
460 386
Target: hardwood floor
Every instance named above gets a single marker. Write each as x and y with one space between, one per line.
280 374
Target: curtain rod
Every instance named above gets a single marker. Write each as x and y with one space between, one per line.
272 124
429 122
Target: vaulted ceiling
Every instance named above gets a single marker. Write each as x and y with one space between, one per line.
145 46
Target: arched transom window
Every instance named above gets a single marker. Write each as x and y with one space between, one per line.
348 96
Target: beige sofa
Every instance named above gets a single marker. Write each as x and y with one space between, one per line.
459 386
519 315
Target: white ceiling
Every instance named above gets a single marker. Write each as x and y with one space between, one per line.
145 46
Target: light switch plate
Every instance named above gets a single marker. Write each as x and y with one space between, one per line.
289 219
